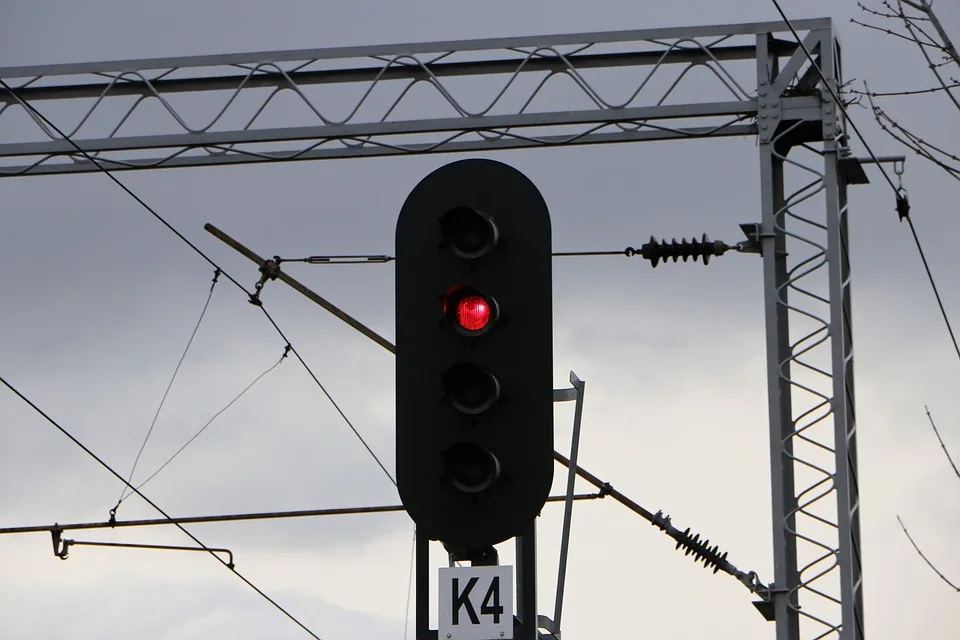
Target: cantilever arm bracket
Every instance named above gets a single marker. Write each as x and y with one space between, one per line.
61 547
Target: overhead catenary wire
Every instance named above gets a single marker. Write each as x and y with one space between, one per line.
333 402
244 517
903 207
176 370
628 252
286 351
150 502
376 258
35 113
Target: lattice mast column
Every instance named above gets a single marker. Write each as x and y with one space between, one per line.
817 588
841 333
773 241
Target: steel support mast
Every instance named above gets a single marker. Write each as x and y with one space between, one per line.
547 91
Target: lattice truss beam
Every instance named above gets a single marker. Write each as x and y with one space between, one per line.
389 100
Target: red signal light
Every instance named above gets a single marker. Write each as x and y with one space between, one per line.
473 313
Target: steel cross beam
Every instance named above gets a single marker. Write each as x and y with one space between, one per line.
348 102
656 84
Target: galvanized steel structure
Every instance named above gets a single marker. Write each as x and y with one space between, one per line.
545 91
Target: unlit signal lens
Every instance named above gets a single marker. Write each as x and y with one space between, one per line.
470 388
468 233
470 467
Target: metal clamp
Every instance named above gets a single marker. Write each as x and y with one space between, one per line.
752 243
269 270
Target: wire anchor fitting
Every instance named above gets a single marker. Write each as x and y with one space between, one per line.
269 270
903 201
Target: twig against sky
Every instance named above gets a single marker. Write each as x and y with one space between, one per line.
922 27
940 440
945 160
925 559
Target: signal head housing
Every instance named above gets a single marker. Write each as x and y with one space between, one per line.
474 353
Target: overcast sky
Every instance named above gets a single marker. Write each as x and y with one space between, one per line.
98 300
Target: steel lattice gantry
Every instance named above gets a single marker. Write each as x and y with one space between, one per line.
484 95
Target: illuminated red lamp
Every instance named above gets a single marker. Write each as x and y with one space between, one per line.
472 312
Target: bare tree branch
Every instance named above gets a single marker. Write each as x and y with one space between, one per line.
909 92
947 48
911 140
916 31
918 34
928 149
919 6
895 15
890 32
929 41
930 564
942 446
911 14
920 151
948 45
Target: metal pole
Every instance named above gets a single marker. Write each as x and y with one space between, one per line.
422 607
775 277
525 628
841 343
579 385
